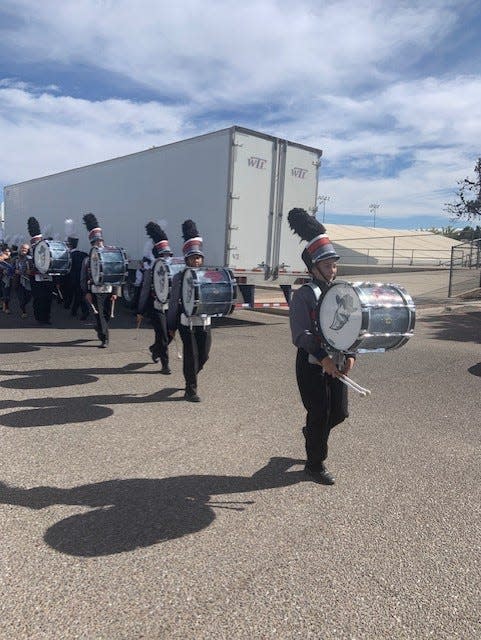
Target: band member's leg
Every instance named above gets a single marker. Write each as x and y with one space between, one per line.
101 302
315 395
190 360
204 341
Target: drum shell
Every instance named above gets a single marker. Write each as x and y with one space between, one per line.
381 317
108 265
59 259
209 291
163 272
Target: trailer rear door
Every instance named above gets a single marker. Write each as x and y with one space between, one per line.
252 201
299 175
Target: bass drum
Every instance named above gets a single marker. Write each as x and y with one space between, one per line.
366 316
52 257
208 291
162 273
108 265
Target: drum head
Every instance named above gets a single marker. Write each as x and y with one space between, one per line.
188 291
160 277
95 268
42 257
340 316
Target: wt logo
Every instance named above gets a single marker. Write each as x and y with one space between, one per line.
257 163
298 172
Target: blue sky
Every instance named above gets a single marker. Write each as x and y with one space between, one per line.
390 90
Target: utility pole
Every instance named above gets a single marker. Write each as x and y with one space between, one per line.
323 199
373 209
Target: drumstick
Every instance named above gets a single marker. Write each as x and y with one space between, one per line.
94 309
139 322
112 308
362 391
179 355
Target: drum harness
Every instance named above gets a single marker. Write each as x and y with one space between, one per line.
338 357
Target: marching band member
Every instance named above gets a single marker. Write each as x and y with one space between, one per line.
41 284
148 303
194 331
323 395
24 290
99 297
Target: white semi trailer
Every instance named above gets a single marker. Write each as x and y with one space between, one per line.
237 184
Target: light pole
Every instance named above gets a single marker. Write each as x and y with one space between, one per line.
373 209
323 199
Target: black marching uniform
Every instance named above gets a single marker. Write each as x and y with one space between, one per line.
194 331
148 305
41 285
103 296
323 395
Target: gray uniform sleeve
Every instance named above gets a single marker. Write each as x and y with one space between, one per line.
302 307
173 312
145 291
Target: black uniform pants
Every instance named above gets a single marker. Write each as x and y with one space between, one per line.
42 300
103 303
160 348
196 343
24 296
325 400
78 300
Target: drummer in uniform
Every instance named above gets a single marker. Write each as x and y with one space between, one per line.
148 303
41 284
323 395
99 297
194 331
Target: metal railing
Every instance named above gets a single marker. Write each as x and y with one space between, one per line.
393 253
465 268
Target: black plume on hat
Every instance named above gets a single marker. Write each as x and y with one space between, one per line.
304 225
90 221
318 247
189 230
155 232
33 227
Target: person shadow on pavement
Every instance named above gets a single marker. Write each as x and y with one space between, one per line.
139 512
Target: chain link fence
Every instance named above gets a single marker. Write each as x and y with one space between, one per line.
465 268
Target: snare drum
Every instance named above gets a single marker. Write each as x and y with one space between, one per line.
108 265
366 316
162 273
52 257
208 291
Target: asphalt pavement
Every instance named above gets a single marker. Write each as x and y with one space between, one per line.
128 513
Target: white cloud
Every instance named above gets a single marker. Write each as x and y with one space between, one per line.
340 75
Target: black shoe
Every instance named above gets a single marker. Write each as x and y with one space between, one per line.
155 357
191 397
166 371
321 476
104 344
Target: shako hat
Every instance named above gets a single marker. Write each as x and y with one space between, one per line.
318 247
159 237
95 232
72 238
192 241
34 230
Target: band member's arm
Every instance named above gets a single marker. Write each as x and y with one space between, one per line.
145 292
300 311
173 312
